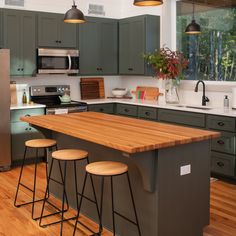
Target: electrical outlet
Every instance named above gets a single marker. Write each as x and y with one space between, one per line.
185 170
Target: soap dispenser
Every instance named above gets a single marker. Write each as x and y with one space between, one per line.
24 97
226 102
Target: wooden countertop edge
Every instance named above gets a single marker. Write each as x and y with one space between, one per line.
122 147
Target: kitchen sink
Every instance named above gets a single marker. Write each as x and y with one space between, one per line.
193 106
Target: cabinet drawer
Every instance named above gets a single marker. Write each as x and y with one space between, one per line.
105 108
127 110
181 117
223 164
221 123
148 113
17 114
225 143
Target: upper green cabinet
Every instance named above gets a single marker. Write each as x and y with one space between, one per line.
53 32
98 46
137 35
1 29
19 36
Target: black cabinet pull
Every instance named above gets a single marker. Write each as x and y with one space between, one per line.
57 41
30 128
126 110
101 109
18 69
98 69
147 113
221 123
27 115
221 142
220 163
130 69
22 69
26 129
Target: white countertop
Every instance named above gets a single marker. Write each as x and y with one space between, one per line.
181 107
26 106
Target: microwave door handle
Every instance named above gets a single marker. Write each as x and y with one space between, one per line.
69 58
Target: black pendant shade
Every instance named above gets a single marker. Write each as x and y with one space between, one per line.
193 28
143 3
74 15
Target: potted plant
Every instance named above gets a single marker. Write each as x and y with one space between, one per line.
168 65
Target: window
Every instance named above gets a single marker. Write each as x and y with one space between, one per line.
212 55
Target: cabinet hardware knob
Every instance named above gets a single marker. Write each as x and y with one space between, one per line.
126 110
22 69
27 115
57 41
97 68
130 69
26 128
147 113
221 142
18 69
30 128
221 123
101 109
220 163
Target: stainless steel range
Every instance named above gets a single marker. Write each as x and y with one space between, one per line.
49 96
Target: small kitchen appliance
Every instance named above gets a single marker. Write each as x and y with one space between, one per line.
57 61
50 96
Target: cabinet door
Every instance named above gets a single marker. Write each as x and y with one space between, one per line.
28 45
12 39
124 48
89 38
109 47
67 33
136 37
48 30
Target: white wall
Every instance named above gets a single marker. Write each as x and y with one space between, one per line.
112 7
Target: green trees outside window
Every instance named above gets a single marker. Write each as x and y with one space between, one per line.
212 54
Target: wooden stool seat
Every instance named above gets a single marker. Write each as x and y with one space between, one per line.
106 168
40 143
69 154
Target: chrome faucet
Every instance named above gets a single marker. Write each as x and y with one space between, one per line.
205 99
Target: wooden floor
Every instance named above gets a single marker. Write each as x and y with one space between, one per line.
17 221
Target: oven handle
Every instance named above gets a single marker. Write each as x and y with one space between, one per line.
69 58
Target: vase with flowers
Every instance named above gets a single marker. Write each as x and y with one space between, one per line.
168 65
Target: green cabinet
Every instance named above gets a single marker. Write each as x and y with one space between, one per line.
21 132
20 37
127 110
98 46
53 32
137 35
147 113
104 108
1 29
182 117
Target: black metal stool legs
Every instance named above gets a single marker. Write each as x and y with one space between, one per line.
132 197
81 201
112 205
23 185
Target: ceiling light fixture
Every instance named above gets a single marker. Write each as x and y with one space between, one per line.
193 28
144 3
74 15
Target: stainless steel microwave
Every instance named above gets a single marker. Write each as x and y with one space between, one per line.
57 61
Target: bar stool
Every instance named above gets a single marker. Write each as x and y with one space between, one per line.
36 144
66 155
110 169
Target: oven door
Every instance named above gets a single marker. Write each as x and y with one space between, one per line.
65 110
57 61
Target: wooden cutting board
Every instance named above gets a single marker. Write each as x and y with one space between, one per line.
147 93
89 90
100 81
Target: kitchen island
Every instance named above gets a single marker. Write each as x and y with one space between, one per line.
169 167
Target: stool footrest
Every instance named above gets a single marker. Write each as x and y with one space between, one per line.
56 181
87 198
26 203
94 233
124 217
59 221
23 185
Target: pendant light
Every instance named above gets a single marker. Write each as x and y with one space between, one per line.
193 28
144 3
74 15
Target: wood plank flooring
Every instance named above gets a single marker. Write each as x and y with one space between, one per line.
17 221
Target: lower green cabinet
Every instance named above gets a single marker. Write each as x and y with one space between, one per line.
147 113
21 132
104 108
127 110
223 164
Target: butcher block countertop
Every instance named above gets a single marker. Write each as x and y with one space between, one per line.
121 133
